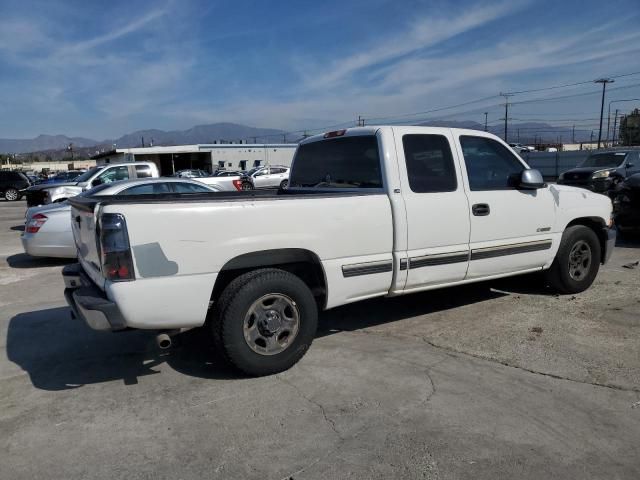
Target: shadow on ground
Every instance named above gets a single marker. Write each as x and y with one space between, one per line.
22 260
61 353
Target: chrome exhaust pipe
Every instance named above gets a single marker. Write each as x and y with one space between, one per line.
163 340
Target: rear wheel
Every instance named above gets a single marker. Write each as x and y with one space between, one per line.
11 194
577 262
265 321
284 184
246 186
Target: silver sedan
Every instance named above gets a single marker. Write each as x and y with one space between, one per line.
48 233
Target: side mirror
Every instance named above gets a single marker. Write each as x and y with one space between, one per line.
96 182
531 180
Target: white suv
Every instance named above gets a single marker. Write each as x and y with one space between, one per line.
270 177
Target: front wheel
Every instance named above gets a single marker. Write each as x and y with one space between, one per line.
577 262
11 194
265 321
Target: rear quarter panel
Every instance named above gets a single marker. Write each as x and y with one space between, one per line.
178 249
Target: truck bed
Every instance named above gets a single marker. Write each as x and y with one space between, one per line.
88 202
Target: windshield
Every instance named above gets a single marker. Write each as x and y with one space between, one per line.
604 160
88 174
347 162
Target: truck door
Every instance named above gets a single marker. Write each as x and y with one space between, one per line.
437 208
511 229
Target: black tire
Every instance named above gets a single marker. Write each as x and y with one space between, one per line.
560 276
247 186
233 306
12 194
284 184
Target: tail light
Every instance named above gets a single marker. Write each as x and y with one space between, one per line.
117 263
237 184
36 223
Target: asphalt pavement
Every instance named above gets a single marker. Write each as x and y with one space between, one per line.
487 381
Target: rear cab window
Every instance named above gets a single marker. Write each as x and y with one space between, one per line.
349 162
430 165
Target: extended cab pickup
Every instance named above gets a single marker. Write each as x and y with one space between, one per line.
369 212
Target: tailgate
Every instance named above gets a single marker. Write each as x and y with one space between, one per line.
83 224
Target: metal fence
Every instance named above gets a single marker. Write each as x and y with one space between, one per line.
552 164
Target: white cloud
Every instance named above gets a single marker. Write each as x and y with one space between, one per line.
423 33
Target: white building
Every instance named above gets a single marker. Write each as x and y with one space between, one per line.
207 157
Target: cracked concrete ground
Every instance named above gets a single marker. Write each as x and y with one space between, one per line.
499 380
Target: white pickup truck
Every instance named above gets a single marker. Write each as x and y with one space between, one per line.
369 212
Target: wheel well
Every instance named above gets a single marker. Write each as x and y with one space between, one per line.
300 262
597 225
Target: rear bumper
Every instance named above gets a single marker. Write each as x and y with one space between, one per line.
39 245
610 243
88 302
35 197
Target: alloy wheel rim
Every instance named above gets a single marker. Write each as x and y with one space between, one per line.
579 260
271 324
11 194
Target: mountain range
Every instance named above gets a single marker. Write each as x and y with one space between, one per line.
56 145
198 134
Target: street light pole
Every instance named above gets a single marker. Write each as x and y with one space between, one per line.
506 112
615 126
485 121
604 82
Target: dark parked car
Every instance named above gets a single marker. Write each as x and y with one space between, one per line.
626 204
11 184
602 171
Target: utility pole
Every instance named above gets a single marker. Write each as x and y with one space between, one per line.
360 121
284 138
506 112
142 140
518 131
591 137
573 134
604 82
615 125
485 120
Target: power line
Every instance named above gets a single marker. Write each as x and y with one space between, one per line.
471 102
554 87
434 109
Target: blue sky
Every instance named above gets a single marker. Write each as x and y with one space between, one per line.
102 69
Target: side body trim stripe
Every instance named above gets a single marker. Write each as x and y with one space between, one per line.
513 249
371 268
439 259
368 268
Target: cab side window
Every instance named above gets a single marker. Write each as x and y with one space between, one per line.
490 165
113 174
430 164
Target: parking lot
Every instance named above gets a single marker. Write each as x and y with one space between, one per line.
493 380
